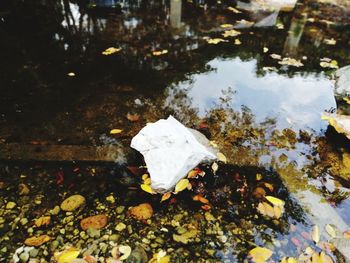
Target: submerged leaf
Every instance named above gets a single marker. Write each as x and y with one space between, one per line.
200 199
234 10
147 188
165 196
159 52
274 200
222 157
315 234
181 185
110 51
331 231
226 25
260 254
215 40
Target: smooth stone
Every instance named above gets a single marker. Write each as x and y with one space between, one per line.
24 257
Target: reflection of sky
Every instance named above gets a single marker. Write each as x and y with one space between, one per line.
296 102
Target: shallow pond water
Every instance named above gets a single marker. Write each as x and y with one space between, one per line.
255 77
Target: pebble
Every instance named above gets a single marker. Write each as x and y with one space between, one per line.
73 202
24 257
55 210
120 209
10 205
94 233
33 253
120 227
24 221
114 237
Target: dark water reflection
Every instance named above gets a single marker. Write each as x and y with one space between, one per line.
258 111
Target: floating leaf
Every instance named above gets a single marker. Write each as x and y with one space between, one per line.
347 100
192 174
147 188
278 210
215 40
226 25
181 185
234 10
214 167
306 255
331 231
274 200
266 209
275 56
159 52
126 251
346 234
238 42
165 196
289 260
115 131
325 258
231 33
331 41
200 199
269 186
110 51
68 256
222 157
315 234
291 62
145 176
260 254
147 181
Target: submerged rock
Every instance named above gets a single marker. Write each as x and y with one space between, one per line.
73 203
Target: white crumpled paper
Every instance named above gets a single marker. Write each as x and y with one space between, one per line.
170 151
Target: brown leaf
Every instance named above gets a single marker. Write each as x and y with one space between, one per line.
133 117
42 221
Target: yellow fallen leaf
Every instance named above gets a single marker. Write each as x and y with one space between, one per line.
181 185
165 196
226 25
147 181
144 176
289 260
274 200
260 254
258 177
214 167
347 100
269 186
330 230
159 52
192 174
278 210
215 40
68 256
346 234
147 188
115 131
110 51
234 10
331 41
126 251
315 234
238 42
231 33
324 258
222 157
266 209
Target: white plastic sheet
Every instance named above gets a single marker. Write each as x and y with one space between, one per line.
170 151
